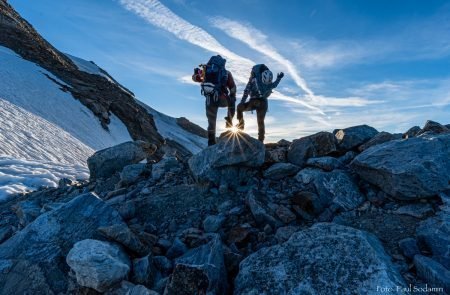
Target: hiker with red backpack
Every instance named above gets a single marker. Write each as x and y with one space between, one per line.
259 88
219 89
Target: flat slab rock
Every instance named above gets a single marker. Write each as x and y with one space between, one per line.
324 259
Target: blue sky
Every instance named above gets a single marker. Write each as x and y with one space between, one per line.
382 63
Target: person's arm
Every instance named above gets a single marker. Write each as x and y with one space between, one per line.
247 89
277 81
231 85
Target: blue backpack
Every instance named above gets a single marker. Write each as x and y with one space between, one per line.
215 79
260 89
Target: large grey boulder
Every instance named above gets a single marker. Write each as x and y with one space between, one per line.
106 162
36 254
324 163
355 136
200 271
407 169
338 188
224 159
131 173
324 259
121 234
412 132
316 145
97 264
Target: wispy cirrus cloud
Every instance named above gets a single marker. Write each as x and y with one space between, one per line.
256 40
157 14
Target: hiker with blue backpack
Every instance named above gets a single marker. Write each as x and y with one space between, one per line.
219 89
259 88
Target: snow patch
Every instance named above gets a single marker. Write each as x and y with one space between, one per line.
168 128
19 175
89 67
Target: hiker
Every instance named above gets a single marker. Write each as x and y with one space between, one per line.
259 88
220 91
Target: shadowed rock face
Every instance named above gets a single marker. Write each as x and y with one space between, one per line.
407 169
325 259
35 256
97 93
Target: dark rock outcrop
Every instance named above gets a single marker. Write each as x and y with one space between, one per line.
355 136
102 96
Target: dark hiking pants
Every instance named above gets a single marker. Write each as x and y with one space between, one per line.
254 104
211 114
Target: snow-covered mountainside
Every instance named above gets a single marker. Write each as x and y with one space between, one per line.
46 134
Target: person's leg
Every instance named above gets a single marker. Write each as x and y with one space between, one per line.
231 111
245 107
211 114
261 115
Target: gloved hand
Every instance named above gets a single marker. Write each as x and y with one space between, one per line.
280 75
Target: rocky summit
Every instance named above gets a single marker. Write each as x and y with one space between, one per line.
345 213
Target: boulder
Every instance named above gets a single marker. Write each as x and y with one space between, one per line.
259 209
97 264
213 223
381 137
200 271
131 173
432 127
432 272
412 132
106 162
276 152
434 234
355 136
419 210
307 175
324 259
339 189
27 211
140 290
177 249
407 169
281 170
121 234
38 251
166 164
144 271
228 159
316 145
324 163
409 247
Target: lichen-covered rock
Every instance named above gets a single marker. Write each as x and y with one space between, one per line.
121 234
325 259
407 169
432 272
355 136
106 162
316 145
97 264
37 251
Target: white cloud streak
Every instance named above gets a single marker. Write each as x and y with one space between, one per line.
256 40
155 13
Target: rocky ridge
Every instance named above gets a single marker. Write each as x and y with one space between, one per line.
312 216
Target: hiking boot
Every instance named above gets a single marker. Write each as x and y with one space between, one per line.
228 123
240 125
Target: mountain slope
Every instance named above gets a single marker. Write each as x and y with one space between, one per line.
58 109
